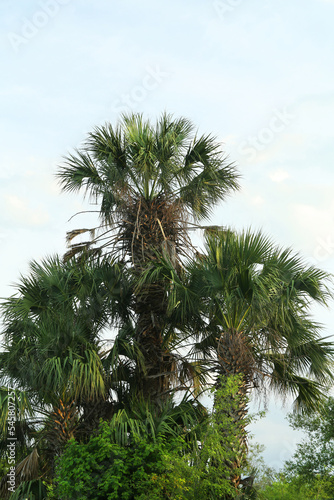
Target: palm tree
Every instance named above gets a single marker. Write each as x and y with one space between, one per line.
66 377
151 182
249 302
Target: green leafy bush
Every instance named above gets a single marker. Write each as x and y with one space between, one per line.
145 469
154 456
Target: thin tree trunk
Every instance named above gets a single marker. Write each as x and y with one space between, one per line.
233 383
230 405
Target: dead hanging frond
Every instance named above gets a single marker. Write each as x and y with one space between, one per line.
83 251
169 253
79 248
136 230
75 232
214 230
26 470
143 227
162 231
86 249
147 225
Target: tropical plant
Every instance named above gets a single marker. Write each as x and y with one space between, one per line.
296 488
151 182
55 355
67 375
103 468
248 302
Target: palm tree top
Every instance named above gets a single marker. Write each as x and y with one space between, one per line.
137 160
256 299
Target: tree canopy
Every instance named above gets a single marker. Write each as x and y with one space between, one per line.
131 326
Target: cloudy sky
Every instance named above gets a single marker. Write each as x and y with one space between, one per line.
257 74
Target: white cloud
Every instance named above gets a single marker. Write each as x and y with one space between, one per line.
257 200
24 212
317 219
279 175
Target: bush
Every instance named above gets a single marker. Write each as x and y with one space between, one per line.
145 469
152 456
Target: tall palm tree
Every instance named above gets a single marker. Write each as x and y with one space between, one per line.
249 304
151 182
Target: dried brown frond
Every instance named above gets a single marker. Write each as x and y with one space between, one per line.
75 249
26 470
151 226
75 232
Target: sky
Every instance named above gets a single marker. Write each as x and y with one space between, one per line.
256 74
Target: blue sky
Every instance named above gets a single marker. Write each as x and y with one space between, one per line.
257 74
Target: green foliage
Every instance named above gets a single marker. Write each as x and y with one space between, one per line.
312 465
31 490
146 469
152 456
256 466
281 490
298 489
138 159
256 297
102 469
315 455
309 473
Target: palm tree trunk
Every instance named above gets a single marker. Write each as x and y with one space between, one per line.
151 230
230 404
150 308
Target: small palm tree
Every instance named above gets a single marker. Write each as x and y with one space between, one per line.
55 356
151 182
249 304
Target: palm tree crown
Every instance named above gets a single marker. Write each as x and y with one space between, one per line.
257 299
150 180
